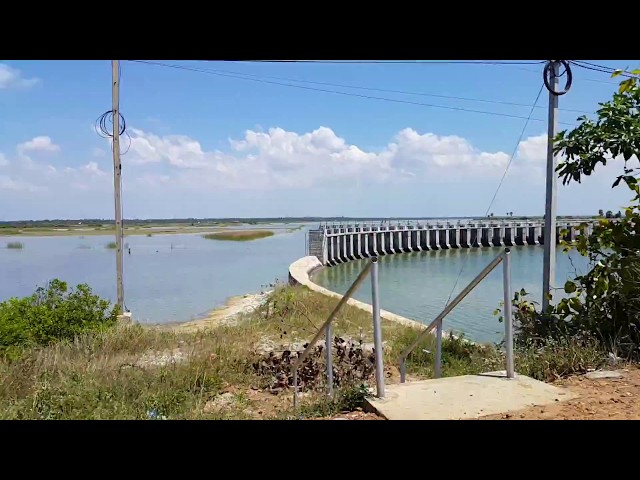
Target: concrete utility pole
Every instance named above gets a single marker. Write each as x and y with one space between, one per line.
115 71
549 265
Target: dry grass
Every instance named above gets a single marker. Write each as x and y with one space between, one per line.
135 372
132 372
239 235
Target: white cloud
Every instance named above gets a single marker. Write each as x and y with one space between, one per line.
178 150
279 158
12 78
38 144
8 183
534 149
279 172
3 160
98 153
92 168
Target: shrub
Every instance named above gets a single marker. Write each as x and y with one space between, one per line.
51 314
15 245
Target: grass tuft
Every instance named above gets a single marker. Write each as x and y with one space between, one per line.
111 245
15 245
239 235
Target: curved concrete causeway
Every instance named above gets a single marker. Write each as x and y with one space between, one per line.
299 274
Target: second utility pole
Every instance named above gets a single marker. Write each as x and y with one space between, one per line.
117 171
549 263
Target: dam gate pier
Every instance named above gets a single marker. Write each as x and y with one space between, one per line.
334 243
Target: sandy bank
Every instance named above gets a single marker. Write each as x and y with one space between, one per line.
227 314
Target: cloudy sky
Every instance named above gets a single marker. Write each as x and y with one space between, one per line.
238 139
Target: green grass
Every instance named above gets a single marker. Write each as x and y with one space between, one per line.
103 375
239 235
111 245
15 245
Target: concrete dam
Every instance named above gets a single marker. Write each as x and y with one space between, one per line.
334 243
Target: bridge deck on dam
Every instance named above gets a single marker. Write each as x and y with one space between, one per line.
339 243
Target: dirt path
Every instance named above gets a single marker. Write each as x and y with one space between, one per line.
599 399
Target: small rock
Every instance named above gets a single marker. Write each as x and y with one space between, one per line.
220 402
600 374
613 359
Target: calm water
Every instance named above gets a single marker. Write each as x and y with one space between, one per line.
416 285
167 278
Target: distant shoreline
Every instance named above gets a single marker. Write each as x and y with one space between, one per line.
136 231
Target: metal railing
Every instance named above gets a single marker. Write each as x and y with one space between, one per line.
372 267
505 259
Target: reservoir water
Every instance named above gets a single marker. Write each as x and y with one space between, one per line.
417 285
167 278
179 277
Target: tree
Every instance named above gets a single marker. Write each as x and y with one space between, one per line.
606 300
618 214
601 213
609 214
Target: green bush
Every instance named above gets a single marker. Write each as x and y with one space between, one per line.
51 314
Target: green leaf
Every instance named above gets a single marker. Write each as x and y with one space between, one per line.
569 287
616 72
626 85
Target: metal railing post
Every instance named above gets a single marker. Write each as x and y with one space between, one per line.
295 388
438 368
329 353
508 318
377 329
437 322
323 329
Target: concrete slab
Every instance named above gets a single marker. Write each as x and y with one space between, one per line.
465 397
603 374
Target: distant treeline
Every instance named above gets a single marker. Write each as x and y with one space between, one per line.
99 222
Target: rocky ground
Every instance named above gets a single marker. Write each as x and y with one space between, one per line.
603 395
613 395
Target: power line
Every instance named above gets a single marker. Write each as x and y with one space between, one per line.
336 92
515 150
403 92
513 154
602 68
524 69
405 62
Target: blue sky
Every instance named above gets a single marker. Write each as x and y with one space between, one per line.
212 146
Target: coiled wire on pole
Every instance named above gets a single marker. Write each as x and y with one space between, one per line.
548 76
104 127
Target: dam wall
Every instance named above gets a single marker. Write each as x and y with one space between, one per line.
334 243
